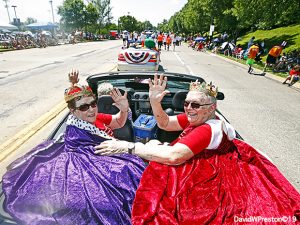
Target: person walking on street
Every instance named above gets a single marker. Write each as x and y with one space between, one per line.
159 41
168 41
174 41
165 41
253 51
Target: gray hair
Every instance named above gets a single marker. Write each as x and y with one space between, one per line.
104 89
212 99
205 92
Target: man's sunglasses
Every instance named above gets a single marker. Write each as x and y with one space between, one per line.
194 105
85 107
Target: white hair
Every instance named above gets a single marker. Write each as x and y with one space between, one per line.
104 89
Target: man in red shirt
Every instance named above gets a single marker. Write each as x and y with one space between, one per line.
160 38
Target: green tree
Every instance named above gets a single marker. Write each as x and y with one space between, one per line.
29 20
104 13
72 14
163 26
128 23
266 14
91 16
146 25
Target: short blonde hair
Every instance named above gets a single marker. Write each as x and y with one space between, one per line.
104 89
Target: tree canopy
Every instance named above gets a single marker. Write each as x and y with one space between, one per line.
75 14
96 16
232 16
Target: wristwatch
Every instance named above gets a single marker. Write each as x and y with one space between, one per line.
130 147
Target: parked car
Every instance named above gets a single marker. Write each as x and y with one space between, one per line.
138 96
136 58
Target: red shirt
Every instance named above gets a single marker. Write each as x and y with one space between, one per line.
168 40
160 37
102 121
294 72
196 138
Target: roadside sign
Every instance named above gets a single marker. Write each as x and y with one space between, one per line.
211 29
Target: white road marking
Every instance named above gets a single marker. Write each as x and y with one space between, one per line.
183 63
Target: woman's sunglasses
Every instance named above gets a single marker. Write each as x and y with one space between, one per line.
85 107
194 105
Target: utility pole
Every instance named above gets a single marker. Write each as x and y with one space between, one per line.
6 6
14 6
52 11
16 20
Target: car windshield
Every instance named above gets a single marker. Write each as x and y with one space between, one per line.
143 83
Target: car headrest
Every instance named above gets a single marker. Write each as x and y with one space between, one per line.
220 96
178 100
105 105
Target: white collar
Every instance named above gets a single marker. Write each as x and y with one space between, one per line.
81 124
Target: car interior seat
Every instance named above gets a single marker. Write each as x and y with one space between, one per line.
105 105
178 101
177 108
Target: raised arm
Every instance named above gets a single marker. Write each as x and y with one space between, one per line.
73 76
156 94
121 102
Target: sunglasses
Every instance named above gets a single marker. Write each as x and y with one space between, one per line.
194 105
85 107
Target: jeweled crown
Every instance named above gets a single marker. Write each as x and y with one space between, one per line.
77 90
211 89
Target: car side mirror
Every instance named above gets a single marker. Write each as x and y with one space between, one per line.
220 96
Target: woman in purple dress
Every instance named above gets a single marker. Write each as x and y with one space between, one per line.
66 182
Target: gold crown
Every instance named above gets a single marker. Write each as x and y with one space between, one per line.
211 89
77 91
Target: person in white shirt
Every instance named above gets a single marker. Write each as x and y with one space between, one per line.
143 38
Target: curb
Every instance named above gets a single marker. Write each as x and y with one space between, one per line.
17 140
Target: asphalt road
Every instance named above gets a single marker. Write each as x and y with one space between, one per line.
264 111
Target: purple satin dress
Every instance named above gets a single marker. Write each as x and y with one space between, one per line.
67 184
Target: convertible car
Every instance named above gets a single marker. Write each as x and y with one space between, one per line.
135 83
138 59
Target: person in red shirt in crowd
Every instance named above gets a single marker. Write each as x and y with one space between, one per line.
237 51
160 38
200 46
168 42
293 75
206 175
274 54
252 53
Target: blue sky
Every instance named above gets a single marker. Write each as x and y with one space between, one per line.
153 10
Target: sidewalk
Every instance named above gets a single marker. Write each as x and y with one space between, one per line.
268 75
